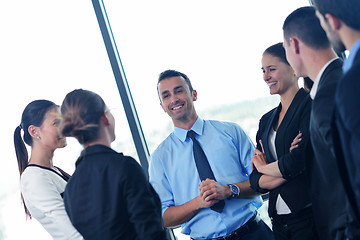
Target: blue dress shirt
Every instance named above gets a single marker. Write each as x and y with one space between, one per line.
174 176
349 61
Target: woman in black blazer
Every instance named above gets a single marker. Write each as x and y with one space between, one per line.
277 169
108 196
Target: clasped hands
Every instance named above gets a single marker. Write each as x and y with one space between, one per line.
211 192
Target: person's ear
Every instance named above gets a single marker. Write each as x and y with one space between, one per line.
295 45
33 131
105 118
334 22
194 93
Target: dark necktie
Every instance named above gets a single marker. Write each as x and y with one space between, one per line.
203 167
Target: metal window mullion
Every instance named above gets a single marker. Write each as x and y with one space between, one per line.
123 87
124 90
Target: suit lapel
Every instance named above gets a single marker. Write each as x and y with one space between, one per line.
334 65
279 141
274 116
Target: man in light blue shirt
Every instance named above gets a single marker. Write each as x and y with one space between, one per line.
173 173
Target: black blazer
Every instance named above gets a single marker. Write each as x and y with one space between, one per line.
291 165
327 189
109 197
347 137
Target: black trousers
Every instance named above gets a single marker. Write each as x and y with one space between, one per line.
261 232
295 226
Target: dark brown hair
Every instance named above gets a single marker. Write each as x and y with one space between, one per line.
81 113
173 73
304 24
345 10
277 50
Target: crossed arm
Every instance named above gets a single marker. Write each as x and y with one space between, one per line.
272 177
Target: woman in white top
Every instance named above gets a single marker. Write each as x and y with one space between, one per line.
42 184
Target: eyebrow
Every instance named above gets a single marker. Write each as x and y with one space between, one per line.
269 66
178 87
175 88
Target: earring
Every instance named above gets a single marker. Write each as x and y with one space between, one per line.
37 138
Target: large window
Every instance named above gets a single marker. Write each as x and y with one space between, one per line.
48 49
218 44
52 47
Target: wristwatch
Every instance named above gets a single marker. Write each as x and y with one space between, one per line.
235 191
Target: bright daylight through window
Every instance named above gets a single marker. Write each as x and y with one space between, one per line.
53 47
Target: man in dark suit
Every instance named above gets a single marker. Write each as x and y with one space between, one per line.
310 54
340 19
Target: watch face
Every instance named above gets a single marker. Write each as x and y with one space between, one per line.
234 190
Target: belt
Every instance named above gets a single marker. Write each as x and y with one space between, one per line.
251 224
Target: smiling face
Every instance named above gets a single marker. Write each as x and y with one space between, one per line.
278 75
177 100
48 131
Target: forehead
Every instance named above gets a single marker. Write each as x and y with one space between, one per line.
169 84
319 15
52 113
269 59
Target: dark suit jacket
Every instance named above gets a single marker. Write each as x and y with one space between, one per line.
327 189
292 165
109 197
347 138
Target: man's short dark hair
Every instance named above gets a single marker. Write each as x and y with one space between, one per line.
172 73
345 10
304 24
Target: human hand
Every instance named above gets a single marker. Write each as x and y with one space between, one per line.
295 142
212 191
201 203
259 158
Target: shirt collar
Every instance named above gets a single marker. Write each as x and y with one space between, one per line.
352 53
197 127
317 79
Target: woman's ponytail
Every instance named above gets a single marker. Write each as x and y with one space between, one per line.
20 150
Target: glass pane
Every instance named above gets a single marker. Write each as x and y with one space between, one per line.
51 48
48 49
218 44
